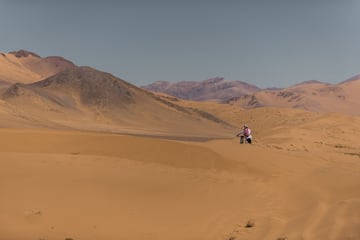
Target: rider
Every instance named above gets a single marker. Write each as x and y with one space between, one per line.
245 133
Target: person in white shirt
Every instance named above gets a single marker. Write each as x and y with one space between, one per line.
245 134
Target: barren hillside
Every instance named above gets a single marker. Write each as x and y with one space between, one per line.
26 67
85 98
313 96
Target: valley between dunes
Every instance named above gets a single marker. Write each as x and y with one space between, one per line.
300 180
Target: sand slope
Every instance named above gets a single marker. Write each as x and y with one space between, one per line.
61 184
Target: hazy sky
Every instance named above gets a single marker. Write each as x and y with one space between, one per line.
264 42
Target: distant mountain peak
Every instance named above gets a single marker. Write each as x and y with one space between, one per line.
213 80
23 53
352 79
309 82
26 67
58 60
93 86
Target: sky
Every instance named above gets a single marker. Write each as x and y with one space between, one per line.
268 43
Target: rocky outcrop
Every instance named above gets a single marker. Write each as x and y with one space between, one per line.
23 53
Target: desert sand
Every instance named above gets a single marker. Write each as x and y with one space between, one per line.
299 180
86 156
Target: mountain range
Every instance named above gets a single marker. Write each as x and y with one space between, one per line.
213 89
309 95
54 92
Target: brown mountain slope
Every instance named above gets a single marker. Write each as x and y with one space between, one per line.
214 89
312 96
353 78
84 98
26 67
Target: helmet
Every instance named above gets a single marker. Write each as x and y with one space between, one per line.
245 126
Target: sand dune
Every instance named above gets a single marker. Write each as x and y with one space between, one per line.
295 182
